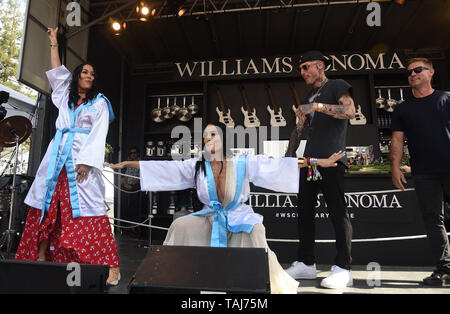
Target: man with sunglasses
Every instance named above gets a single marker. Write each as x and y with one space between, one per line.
327 107
424 118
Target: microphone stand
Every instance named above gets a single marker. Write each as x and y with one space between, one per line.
9 232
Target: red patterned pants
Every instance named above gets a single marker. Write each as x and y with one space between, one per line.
86 240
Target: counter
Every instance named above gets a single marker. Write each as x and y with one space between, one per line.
386 223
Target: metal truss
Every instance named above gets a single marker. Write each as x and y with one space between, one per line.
169 8
125 10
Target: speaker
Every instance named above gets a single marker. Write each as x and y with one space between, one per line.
56 278
190 269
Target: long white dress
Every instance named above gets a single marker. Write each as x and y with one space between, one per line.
244 226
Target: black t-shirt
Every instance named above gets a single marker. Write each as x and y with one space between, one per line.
327 135
426 123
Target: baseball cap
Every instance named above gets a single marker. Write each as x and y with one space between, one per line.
313 55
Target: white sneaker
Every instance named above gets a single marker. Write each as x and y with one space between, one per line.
298 270
339 278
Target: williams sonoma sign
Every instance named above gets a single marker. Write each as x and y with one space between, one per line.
284 66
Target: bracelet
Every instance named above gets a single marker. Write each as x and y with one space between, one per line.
301 160
319 107
313 172
53 45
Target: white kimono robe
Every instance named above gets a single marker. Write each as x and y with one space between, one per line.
89 130
244 226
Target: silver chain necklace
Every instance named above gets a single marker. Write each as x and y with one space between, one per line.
317 94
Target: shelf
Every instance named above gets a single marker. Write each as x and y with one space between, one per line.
176 95
391 86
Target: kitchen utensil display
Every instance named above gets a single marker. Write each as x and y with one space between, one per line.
183 114
157 114
167 111
390 103
193 107
380 100
401 97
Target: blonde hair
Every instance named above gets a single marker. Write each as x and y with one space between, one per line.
424 60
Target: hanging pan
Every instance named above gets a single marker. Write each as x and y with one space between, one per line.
174 108
184 114
157 114
193 108
167 112
390 103
380 100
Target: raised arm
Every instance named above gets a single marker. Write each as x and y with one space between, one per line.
54 53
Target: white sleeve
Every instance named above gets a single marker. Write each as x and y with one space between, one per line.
92 153
59 79
276 174
167 175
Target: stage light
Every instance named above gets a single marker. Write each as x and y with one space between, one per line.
181 11
117 26
144 11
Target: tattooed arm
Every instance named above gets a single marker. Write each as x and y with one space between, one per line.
296 135
344 110
395 156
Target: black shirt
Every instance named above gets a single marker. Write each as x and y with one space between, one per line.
426 123
327 135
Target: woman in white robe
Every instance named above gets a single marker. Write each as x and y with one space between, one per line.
67 220
223 186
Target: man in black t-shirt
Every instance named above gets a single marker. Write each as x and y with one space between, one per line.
328 107
425 120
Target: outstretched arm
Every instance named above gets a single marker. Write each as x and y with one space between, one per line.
162 175
123 164
322 162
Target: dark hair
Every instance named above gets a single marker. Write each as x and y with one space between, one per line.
225 131
138 152
73 88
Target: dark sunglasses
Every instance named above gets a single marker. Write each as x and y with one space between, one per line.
417 70
305 67
133 153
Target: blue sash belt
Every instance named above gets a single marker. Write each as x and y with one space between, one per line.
57 162
220 223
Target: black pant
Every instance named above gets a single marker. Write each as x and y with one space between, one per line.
332 187
430 190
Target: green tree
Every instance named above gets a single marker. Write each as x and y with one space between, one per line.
12 14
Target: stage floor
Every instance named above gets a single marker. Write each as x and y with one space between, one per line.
392 280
